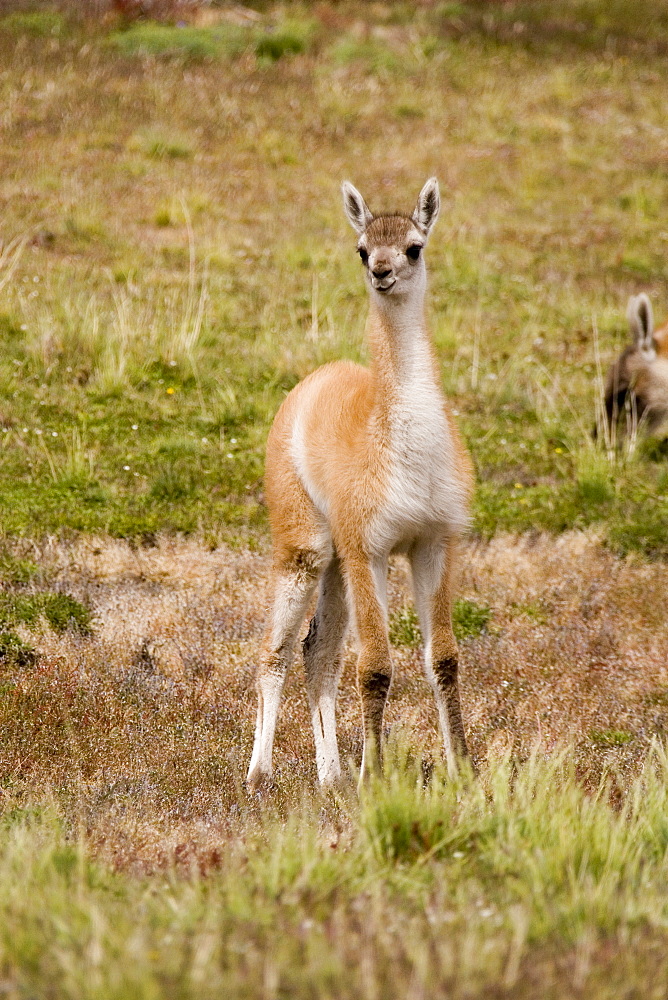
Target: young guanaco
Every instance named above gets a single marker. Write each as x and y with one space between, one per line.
362 463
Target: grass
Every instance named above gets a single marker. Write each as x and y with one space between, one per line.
125 828
447 887
269 43
468 618
152 327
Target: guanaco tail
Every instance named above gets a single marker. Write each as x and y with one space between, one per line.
362 463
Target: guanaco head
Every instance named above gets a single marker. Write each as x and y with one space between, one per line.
390 246
637 382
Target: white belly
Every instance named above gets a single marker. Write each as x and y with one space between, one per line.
425 494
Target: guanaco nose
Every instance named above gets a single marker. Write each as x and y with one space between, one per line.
379 274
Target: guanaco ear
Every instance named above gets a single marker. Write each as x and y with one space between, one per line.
355 207
428 206
641 320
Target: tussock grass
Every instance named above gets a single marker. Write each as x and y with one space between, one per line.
456 887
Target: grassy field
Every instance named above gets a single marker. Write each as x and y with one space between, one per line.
173 259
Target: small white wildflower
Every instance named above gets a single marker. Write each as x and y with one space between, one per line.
25 430
172 364
38 430
54 434
503 441
135 427
458 854
233 440
230 455
36 279
205 440
127 468
24 327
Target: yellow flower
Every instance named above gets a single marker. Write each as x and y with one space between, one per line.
519 486
170 391
558 451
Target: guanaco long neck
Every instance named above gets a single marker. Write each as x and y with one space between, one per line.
402 355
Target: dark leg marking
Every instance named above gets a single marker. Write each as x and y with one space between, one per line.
446 671
377 683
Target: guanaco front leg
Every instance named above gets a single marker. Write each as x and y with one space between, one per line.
432 565
367 583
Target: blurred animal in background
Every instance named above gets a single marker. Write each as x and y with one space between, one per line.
636 388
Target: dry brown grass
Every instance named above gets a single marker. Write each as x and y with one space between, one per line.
144 730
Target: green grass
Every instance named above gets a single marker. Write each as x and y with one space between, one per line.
37 23
469 619
449 888
14 652
269 43
152 326
59 611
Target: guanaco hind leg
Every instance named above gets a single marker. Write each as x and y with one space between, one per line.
322 662
295 581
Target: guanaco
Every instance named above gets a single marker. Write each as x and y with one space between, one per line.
362 463
637 383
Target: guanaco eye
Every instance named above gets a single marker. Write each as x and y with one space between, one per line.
363 254
413 251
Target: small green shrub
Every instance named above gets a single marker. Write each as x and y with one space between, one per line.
405 628
469 619
289 38
16 571
160 144
610 737
38 23
187 42
60 611
15 652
